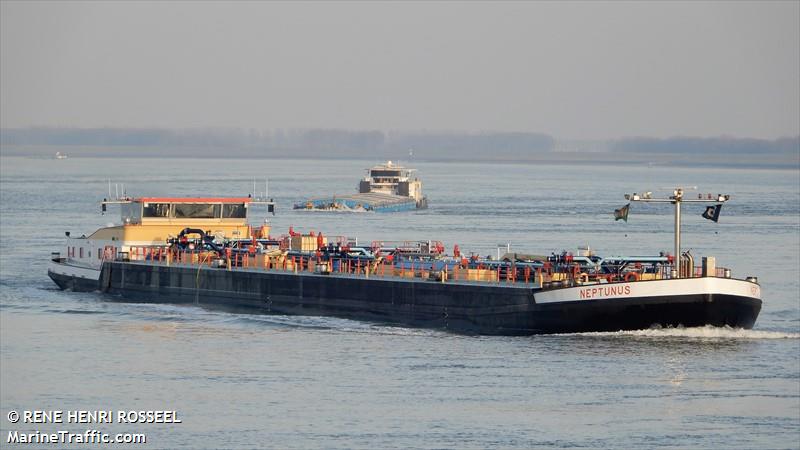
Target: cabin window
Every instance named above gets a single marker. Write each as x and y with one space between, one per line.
131 213
234 211
385 173
197 210
156 210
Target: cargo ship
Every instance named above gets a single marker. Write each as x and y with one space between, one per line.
203 251
386 188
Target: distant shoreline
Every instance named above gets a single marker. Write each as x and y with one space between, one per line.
600 158
376 145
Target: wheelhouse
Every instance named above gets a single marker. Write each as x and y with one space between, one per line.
166 210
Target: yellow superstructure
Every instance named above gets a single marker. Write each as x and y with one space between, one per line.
153 220
148 233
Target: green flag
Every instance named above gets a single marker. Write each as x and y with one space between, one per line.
622 213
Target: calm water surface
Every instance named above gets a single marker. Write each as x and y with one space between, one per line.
302 382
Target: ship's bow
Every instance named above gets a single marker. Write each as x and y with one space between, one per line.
688 302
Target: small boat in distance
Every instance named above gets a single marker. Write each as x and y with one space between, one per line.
60 155
386 188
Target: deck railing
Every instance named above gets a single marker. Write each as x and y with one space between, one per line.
407 268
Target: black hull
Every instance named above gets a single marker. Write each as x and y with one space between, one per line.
72 283
641 312
461 308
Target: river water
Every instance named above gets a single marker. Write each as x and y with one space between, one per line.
243 381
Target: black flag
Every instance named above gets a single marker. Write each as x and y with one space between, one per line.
271 208
712 212
622 213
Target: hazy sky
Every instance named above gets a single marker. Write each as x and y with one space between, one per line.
575 70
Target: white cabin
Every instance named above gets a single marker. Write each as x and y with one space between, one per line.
390 178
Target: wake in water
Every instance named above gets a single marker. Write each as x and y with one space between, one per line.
161 312
330 323
706 332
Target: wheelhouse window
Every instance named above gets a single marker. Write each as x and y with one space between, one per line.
156 210
197 210
385 173
234 211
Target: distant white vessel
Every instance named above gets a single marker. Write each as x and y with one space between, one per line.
60 155
386 188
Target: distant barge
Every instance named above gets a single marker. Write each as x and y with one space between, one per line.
202 251
386 188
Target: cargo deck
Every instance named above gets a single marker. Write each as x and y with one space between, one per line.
370 201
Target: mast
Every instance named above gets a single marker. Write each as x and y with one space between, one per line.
676 199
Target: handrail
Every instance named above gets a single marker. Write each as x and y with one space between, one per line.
444 270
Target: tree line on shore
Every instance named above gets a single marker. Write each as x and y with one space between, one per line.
337 143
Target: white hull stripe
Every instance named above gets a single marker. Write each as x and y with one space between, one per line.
74 271
657 288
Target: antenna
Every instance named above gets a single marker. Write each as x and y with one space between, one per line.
676 199
109 188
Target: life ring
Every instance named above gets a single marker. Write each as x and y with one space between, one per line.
584 277
632 276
